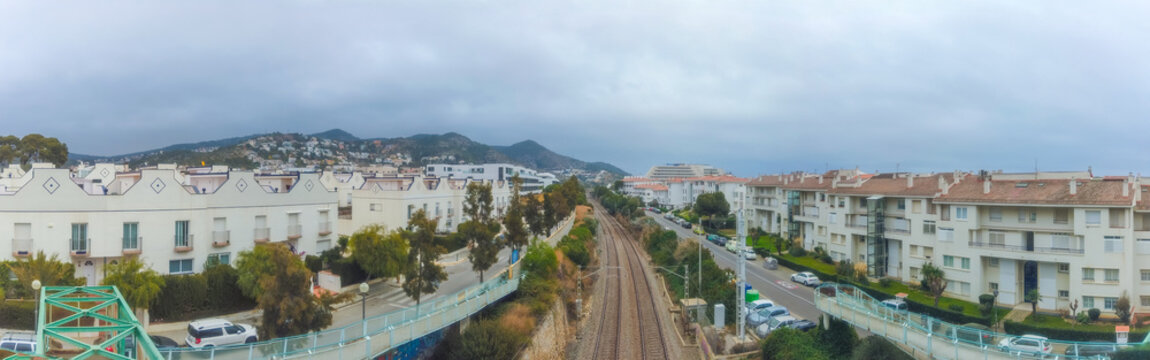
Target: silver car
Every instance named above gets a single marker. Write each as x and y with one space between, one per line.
762 316
773 324
806 278
1032 345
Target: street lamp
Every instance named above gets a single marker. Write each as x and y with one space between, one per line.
363 288
994 310
36 309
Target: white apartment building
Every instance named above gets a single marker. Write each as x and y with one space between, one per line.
680 192
672 171
1068 235
533 181
390 201
175 221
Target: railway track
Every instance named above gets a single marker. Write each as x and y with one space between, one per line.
629 314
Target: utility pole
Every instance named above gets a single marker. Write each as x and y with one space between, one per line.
741 298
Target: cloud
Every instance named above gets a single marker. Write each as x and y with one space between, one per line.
753 87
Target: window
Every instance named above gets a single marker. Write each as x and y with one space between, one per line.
914 250
995 214
1087 302
80 237
928 227
914 273
958 287
1117 218
410 210
1113 244
131 236
1145 275
947 261
927 252
1027 215
965 263
1063 267
842 203
1060 240
945 234
997 238
901 204
1146 301
1108 303
993 262
1093 217
993 286
944 212
1111 275
220 258
1061 216
832 218
375 207
916 207
960 213
1063 294
182 233
180 266
1087 274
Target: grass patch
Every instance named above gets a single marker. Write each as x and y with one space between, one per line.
1057 322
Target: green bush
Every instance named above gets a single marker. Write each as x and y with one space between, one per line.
17 314
839 338
224 290
791 344
1094 314
826 259
886 282
314 263
487 339
1131 354
985 304
575 250
1018 328
955 307
349 271
182 294
797 251
1082 318
878 348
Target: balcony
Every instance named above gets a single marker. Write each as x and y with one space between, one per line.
21 247
325 227
294 232
261 235
132 246
80 247
1023 248
898 226
221 238
857 221
183 243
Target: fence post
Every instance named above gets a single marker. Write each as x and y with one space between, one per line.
929 342
367 347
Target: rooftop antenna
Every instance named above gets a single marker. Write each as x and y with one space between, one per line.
896 165
1035 168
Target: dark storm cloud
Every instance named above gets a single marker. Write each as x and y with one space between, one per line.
753 87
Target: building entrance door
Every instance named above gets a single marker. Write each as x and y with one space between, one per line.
1029 277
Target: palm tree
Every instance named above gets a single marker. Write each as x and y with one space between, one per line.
935 280
49 270
140 286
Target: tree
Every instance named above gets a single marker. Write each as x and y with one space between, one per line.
478 203
1122 308
479 230
790 344
49 270
378 252
289 308
252 265
423 275
533 215
9 149
138 285
878 348
935 280
517 236
711 204
36 147
1032 297
488 339
839 338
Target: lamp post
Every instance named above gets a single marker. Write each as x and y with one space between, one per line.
36 309
994 310
363 288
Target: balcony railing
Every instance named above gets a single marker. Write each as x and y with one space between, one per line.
221 238
899 226
261 235
184 243
325 227
132 246
812 211
21 247
1051 250
294 231
80 247
858 221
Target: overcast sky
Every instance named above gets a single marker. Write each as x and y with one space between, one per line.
751 86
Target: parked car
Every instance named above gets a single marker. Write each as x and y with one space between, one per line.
803 325
896 304
974 333
19 342
162 343
770 263
806 278
749 255
698 231
219 332
762 316
686 225
1026 345
774 323
759 304
1098 349
732 246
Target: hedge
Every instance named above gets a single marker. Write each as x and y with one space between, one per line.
17 315
349 272
914 306
1131 354
1018 328
181 294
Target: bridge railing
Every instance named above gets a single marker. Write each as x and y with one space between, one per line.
374 336
922 333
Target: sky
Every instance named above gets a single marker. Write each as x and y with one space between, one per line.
753 87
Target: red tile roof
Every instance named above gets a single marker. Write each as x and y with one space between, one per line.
637 179
767 180
656 187
1038 192
808 183
1144 203
723 178
924 186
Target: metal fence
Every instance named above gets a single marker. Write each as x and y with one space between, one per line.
931 336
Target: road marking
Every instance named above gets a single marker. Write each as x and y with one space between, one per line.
786 284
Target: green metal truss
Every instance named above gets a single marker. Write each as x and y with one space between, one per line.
82 314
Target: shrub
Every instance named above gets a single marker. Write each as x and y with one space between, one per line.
1094 314
575 250
17 315
985 304
797 251
955 307
839 339
182 294
878 348
826 259
223 289
349 272
845 268
1122 308
1131 354
1082 335
886 282
791 344
488 340
762 251
1082 318
314 263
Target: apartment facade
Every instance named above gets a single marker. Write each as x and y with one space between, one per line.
533 181
174 220
672 171
390 201
1070 236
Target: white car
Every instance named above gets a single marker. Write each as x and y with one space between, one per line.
1026 345
19 342
219 332
806 278
759 304
750 255
773 324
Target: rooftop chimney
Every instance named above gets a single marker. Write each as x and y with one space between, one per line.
986 186
820 180
1125 187
942 185
835 182
1073 186
909 181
